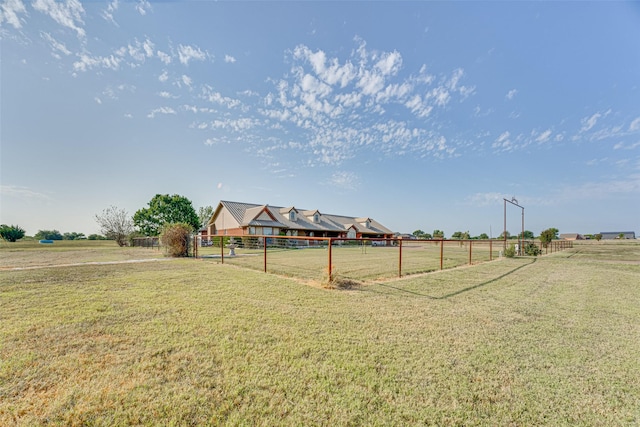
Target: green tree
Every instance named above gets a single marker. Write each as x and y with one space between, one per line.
96 237
73 236
503 234
48 235
165 209
598 237
457 235
438 234
528 234
115 224
483 236
11 233
204 213
418 233
548 235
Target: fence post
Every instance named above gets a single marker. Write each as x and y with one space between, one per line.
400 258
470 245
264 243
441 252
195 247
330 265
490 250
221 248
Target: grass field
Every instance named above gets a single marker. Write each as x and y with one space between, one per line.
552 340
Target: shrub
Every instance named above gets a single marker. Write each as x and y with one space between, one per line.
175 239
510 252
532 249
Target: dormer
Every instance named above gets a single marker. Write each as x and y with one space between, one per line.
290 213
365 222
313 216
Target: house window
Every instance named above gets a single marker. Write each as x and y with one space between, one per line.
252 230
292 215
316 218
267 231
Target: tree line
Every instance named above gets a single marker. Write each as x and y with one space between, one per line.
546 235
116 223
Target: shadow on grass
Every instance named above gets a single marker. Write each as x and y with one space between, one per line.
456 293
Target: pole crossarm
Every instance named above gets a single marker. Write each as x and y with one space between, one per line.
514 202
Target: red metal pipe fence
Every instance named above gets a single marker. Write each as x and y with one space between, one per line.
360 259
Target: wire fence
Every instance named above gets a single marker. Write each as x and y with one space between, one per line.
365 260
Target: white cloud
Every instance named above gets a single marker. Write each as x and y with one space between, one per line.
161 110
635 125
87 62
189 53
164 76
345 180
236 125
390 63
21 192
108 13
186 80
68 14
9 12
229 59
143 6
589 122
503 141
544 136
216 97
511 94
486 199
164 57
56 46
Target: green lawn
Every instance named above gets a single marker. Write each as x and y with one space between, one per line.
552 340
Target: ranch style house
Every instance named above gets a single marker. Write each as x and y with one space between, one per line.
242 219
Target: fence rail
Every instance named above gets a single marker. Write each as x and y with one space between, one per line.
324 258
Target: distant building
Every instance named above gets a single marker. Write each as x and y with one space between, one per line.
612 235
571 236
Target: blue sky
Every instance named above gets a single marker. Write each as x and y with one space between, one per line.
422 115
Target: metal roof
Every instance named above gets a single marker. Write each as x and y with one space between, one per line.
246 214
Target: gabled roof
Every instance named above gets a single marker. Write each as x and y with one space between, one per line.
251 214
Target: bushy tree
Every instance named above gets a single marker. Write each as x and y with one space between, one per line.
48 235
483 236
11 233
96 237
175 239
532 249
528 234
438 234
598 237
165 209
115 224
548 235
204 214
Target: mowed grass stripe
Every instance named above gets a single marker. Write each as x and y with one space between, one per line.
545 342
